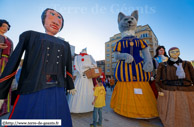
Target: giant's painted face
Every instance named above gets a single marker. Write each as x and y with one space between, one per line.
53 22
174 53
4 28
161 51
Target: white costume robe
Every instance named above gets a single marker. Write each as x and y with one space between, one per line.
82 101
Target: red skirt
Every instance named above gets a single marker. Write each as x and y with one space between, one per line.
153 86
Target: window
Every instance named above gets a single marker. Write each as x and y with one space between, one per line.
113 44
107 55
108 50
108 65
148 41
144 35
118 37
107 59
108 70
107 45
113 65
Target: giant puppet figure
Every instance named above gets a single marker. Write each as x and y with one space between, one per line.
132 96
174 81
45 75
6 49
81 102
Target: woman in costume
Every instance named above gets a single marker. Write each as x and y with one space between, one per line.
174 81
6 48
81 102
160 56
45 74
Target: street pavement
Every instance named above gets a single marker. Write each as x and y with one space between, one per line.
110 118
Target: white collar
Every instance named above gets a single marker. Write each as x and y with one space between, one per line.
128 33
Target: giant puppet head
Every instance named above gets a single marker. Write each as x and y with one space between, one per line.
174 52
127 23
4 26
52 21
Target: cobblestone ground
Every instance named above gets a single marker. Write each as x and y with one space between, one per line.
111 119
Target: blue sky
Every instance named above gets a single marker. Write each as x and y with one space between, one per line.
90 23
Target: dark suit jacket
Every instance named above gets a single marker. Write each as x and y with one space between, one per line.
44 55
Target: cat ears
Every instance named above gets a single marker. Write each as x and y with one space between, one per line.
134 14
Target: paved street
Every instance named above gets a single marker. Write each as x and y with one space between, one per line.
110 118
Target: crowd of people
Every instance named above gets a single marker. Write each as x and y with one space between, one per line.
45 75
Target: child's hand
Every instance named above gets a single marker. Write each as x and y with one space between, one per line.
93 103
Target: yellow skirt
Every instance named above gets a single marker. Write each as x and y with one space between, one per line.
134 100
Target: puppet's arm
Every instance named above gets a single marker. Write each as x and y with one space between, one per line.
90 65
123 56
69 78
158 77
93 62
148 65
76 67
13 64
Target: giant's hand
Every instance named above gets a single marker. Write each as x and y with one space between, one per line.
3 46
161 94
1 103
73 91
147 65
123 56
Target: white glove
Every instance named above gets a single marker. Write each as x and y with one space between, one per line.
160 93
152 79
73 91
1 103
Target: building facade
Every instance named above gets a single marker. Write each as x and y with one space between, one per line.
101 64
143 32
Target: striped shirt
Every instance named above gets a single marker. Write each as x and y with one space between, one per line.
133 71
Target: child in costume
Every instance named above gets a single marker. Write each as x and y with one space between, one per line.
98 102
45 55
132 95
81 102
174 81
6 49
